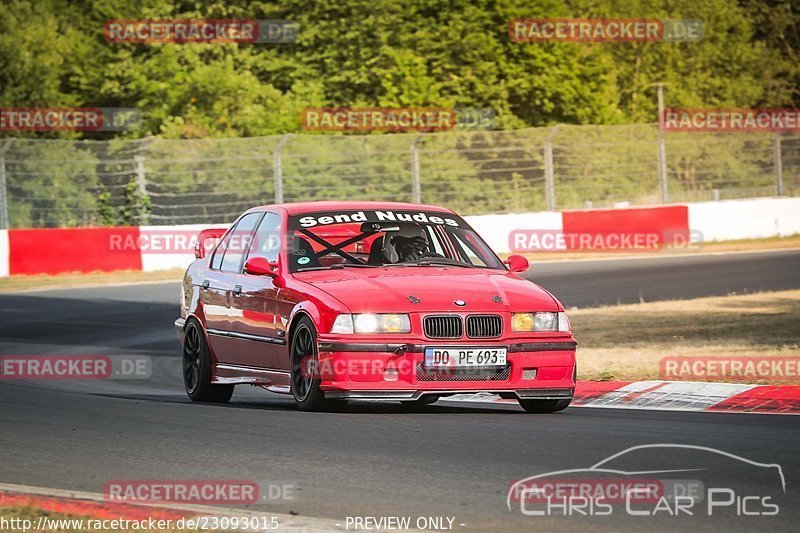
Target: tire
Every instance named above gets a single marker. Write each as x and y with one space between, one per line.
544 406
197 368
304 375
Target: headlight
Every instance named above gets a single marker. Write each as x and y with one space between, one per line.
343 324
563 322
540 322
366 323
522 322
545 322
372 323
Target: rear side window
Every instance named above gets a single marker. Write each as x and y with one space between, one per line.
216 261
267 243
229 253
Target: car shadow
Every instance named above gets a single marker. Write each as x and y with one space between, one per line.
353 407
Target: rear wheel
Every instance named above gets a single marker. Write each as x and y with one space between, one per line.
305 378
197 368
544 406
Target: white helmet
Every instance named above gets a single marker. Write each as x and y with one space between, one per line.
406 244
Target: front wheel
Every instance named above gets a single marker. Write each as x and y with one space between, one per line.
197 368
544 406
305 378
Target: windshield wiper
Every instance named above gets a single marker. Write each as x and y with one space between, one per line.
309 269
430 261
337 266
354 265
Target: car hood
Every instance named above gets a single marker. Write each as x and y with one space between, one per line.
436 289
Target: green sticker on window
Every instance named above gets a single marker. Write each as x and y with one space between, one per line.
303 260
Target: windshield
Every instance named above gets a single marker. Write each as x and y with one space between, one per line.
364 239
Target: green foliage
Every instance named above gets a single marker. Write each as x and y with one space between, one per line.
453 53
106 213
387 53
58 181
136 208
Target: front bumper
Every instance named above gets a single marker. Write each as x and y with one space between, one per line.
536 369
180 324
411 395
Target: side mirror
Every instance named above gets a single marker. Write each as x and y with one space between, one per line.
517 263
206 241
260 266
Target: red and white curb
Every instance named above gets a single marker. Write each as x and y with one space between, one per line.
675 396
94 506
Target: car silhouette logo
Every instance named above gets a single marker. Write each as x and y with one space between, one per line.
460 303
609 468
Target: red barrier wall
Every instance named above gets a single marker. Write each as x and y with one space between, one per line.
668 225
57 250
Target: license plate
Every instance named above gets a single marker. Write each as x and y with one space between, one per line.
449 357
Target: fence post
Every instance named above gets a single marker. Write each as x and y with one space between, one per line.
662 168
549 175
776 147
277 169
141 176
662 148
3 185
416 185
141 186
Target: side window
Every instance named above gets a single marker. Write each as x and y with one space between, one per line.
238 241
267 243
219 251
216 261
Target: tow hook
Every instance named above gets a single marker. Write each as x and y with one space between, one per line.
400 350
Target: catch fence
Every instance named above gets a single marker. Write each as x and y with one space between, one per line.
59 183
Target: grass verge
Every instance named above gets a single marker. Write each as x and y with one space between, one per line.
627 342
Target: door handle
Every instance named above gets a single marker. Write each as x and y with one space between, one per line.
237 290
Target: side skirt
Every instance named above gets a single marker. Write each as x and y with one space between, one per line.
272 380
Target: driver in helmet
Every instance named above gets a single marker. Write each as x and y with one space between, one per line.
407 245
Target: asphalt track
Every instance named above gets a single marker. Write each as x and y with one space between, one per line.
371 460
589 283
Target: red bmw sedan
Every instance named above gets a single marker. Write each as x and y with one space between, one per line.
337 301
